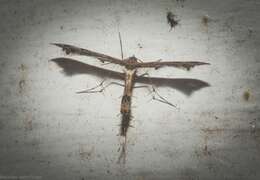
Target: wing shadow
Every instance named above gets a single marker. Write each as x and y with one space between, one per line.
184 85
73 67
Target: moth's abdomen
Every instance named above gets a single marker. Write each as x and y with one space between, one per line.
126 114
125 104
125 123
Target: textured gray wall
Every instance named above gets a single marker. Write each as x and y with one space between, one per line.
49 132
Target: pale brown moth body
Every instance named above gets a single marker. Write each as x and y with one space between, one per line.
131 65
126 100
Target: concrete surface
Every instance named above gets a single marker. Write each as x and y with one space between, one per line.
47 131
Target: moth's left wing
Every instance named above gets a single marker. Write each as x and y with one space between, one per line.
178 64
69 49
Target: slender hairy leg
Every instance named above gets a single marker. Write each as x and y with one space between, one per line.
160 98
144 86
144 74
101 86
154 92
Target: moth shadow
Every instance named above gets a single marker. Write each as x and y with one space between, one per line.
72 67
185 85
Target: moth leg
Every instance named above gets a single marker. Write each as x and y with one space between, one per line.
144 74
160 98
101 86
144 86
155 93
92 90
139 60
152 90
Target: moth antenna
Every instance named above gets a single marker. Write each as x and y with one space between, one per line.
121 47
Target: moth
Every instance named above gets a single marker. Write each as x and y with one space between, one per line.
131 66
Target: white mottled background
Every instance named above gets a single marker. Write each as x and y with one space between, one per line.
47 131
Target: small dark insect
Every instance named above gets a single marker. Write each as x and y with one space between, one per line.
171 19
250 32
205 20
246 95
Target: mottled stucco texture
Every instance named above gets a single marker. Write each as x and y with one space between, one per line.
47 131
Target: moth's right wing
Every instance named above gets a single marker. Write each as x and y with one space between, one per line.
178 64
69 49
73 67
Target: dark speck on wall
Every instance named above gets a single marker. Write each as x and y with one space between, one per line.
23 74
171 19
181 2
205 20
246 95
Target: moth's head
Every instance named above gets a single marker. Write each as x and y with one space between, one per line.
131 60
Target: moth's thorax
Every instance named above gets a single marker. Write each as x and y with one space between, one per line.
131 61
129 81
